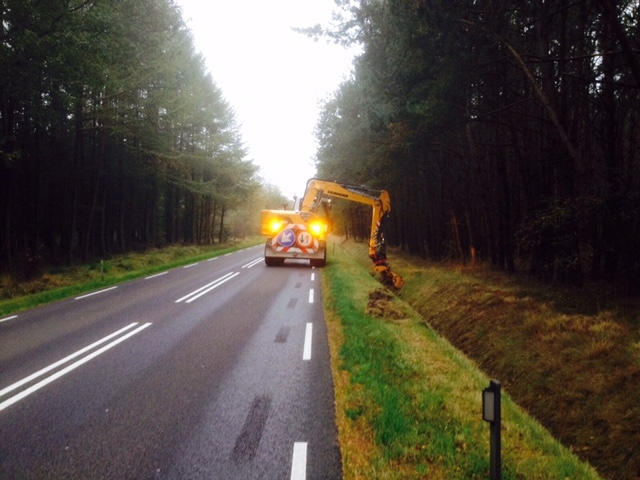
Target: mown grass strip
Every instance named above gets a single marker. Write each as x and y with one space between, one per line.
408 403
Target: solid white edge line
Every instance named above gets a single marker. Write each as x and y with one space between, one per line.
66 359
156 275
95 293
8 318
202 288
211 288
311 295
25 393
299 461
306 354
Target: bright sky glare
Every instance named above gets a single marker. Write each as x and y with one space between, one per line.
273 77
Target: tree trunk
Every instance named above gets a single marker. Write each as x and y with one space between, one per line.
221 233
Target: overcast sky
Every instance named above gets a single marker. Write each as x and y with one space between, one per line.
274 78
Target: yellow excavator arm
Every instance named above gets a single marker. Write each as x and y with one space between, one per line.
318 191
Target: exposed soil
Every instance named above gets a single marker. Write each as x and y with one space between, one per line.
382 304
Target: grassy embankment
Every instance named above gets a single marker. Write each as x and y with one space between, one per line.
570 357
58 283
408 402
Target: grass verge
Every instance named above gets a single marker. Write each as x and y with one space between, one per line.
58 283
408 404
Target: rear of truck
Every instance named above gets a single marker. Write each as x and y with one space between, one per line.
294 235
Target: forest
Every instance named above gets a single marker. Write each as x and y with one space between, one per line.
113 136
505 131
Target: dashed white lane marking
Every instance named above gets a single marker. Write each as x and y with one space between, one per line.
8 318
306 353
190 265
299 461
25 393
95 293
212 259
311 295
156 275
313 277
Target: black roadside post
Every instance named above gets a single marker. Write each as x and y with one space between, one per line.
491 412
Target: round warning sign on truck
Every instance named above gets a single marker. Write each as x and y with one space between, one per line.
287 238
305 239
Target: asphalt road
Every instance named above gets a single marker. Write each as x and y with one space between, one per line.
218 370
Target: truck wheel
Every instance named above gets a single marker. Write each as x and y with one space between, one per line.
273 262
318 263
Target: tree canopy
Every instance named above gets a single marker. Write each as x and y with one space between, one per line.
113 136
505 131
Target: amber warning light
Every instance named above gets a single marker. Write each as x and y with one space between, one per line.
319 229
276 225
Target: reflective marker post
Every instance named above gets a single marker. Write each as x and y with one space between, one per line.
491 413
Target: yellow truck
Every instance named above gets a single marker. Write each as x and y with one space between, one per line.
301 233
